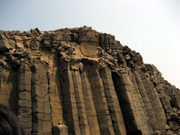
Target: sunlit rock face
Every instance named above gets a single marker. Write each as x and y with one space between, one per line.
82 82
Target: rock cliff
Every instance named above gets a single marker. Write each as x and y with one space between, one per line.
85 80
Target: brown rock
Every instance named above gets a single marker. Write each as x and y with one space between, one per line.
87 81
103 41
157 132
88 50
60 130
87 36
5 43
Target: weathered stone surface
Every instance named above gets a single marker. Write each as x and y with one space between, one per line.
8 87
103 41
100 101
144 121
113 104
55 94
71 110
56 38
5 43
88 49
60 130
155 102
147 103
90 107
80 103
87 36
166 103
81 82
25 101
126 100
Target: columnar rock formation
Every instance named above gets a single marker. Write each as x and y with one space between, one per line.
85 80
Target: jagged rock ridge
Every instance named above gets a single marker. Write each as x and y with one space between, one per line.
87 81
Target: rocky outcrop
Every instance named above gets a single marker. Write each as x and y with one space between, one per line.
79 81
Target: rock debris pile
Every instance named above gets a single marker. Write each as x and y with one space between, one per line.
85 80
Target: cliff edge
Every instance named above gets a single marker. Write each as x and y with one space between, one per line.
84 80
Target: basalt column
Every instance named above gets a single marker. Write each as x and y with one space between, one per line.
113 104
100 101
41 112
155 102
25 102
89 103
70 104
141 105
83 122
124 92
147 103
55 92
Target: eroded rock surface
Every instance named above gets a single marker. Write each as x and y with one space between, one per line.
86 81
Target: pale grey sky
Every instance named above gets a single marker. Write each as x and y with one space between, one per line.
151 27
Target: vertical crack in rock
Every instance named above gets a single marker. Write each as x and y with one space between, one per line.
124 92
40 100
101 105
70 104
25 103
113 104
155 102
55 91
142 106
147 103
83 122
89 104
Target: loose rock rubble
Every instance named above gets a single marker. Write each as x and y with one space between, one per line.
87 80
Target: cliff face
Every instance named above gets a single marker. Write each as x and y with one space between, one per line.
87 81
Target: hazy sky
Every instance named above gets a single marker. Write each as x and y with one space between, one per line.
151 27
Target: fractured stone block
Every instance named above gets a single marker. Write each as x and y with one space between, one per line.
60 130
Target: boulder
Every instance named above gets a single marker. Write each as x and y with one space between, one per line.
6 44
88 49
